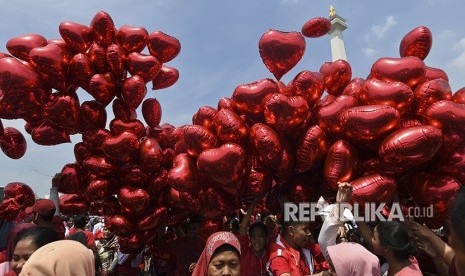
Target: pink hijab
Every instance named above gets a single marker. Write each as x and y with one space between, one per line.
352 259
60 258
214 242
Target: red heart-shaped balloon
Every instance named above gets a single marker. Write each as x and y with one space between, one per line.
132 175
328 115
81 152
103 28
99 189
151 154
336 75
93 139
165 78
183 175
340 164
151 111
122 111
73 204
103 88
134 126
162 46
92 115
22 192
453 164
80 71
147 67
374 188
459 96
284 113
116 60
152 219
134 201
132 39
51 61
450 118
281 51
395 94
20 46
224 165
198 139
122 147
78 37
316 27
354 87
311 149
98 57
430 92
416 43
119 225
257 182
99 165
230 127
265 144
409 70
63 111
226 103
133 91
435 73
14 75
205 117
309 85
250 98
70 181
48 134
157 182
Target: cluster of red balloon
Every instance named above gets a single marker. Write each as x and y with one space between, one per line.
18 196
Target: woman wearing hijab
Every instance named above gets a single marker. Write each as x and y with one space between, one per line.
221 256
107 249
352 259
17 229
60 258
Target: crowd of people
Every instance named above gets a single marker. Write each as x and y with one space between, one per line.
250 244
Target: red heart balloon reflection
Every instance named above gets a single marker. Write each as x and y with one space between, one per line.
416 43
134 201
78 37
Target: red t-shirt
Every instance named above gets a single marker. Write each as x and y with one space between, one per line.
89 237
413 269
252 264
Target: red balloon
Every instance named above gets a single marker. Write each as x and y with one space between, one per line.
376 165
250 98
123 147
435 73
394 94
284 113
81 152
153 219
374 188
14 75
453 164
122 111
162 46
16 104
98 165
157 182
198 139
450 118
151 111
328 115
151 154
21 46
116 60
63 111
51 61
301 190
311 149
409 70
257 182
133 201
134 91
103 28
416 43
98 57
80 71
132 39
411 146
336 75
103 88
230 127
430 92
366 125
224 165
226 103
48 134
406 122
92 115
93 139
183 175
119 225
266 145
285 170
165 78
147 67
340 164
70 181
281 51
132 175
205 117
354 87
9 209
316 27
459 96
309 85
437 191
77 36
73 204
22 193
99 189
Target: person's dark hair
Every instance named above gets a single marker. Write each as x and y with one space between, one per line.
193 219
289 221
234 222
80 221
395 236
79 237
225 247
48 217
40 235
457 215
258 225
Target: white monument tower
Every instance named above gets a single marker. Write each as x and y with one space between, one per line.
338 24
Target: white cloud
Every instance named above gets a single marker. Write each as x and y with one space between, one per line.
369 52
459 61
379 31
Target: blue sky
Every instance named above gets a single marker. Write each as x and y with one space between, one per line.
220 49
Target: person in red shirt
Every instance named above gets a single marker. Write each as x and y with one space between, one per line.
80 222
254 248
289 255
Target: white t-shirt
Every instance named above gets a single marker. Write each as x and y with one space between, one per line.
97 227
